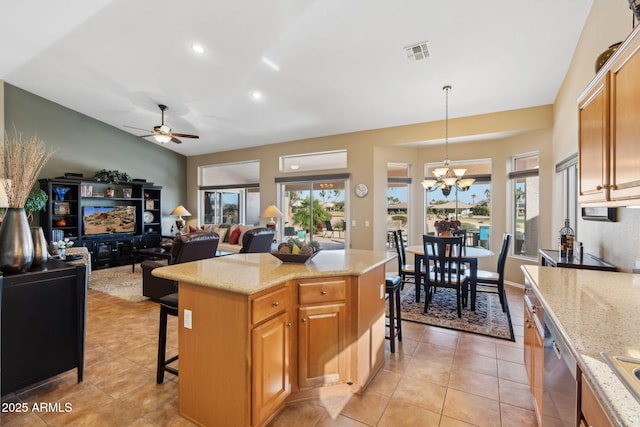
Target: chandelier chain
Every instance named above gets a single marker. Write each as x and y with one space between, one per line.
446 88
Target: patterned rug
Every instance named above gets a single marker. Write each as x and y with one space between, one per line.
119 282
488 319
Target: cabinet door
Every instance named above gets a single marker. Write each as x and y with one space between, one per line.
538 370
528 339
321 345
625 101
270 355
593 147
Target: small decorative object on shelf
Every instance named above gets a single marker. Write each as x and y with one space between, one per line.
110 192
86 190
112 177
604 56
126 192
567 237
62 246
60 192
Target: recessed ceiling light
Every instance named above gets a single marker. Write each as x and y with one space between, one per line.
197 48
295 167
256 95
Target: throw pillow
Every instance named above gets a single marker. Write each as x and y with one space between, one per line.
192 229
222 232
235 236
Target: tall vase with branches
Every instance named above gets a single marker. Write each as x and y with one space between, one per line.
22 161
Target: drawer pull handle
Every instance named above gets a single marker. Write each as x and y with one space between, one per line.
289 324
323 292
304 320
275 303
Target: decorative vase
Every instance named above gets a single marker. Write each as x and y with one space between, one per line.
604 56
446 233
40 250
16 243
60 192
62 253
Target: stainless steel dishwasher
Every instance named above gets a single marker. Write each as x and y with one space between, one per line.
560 405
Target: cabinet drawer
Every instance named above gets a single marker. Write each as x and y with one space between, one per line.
269 305
321 292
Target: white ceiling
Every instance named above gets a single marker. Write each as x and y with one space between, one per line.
342 66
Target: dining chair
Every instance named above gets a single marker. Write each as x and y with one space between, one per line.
462 232
445 268
406 271
328 229
494 280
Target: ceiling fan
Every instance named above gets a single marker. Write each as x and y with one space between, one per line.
162 133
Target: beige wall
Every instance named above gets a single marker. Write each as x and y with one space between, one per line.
609 21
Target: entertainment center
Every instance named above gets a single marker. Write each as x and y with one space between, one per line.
111 220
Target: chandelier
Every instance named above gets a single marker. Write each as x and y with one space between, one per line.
447 178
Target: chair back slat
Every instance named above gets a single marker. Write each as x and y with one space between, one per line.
504 251
443 260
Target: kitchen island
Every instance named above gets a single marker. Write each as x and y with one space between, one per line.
594 311
255 332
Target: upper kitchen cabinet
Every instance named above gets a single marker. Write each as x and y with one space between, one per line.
610 130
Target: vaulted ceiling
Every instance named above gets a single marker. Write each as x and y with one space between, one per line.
322 67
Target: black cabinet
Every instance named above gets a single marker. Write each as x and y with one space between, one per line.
43 324
110 250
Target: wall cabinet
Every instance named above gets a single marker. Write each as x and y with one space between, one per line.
609 130
534 349
63 216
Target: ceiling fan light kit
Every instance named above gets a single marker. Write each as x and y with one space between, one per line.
446 177
162 133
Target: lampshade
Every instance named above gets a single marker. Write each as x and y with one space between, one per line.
271 212
180 211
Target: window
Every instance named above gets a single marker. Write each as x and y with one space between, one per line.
472 207
526 207
569 169
230 193
398 190
314 161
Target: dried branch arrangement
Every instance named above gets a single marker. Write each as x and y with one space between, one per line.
23 161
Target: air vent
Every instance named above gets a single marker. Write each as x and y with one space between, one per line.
417 52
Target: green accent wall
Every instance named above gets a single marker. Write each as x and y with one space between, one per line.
85 145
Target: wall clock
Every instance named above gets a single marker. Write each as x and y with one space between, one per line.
361 190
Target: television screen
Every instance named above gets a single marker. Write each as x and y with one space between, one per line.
109 219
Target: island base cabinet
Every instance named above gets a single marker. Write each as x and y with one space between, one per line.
534 350
270 357
321 345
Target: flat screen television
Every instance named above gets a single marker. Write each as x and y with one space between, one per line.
108 219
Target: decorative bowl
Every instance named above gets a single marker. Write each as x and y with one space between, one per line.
298 258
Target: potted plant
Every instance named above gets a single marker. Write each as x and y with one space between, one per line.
36 201
112 176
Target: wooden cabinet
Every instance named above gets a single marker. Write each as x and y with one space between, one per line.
534 349
593 414
68 200
322 354
609 130
43 324
270 354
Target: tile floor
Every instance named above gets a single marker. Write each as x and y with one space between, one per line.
437 377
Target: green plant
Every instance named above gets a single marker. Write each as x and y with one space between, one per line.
112 176
36 201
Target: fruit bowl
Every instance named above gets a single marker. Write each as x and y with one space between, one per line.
298 258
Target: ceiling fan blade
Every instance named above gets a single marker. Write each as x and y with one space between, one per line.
133 127
145 136
184 135
176 140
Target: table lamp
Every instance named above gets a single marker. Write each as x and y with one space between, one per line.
180 211
271 212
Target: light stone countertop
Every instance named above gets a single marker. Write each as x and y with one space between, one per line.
251 273
595 311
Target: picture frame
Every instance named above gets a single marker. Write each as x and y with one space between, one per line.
126 192
600 214
61 208
149 204
86 190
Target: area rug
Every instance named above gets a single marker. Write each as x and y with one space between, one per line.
488 318
119 282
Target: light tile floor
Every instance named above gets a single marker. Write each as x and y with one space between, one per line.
437 377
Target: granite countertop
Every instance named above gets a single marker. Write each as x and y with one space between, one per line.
595 311
251 273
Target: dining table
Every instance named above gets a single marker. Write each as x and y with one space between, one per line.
470 256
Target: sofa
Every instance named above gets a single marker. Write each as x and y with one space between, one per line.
231 235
